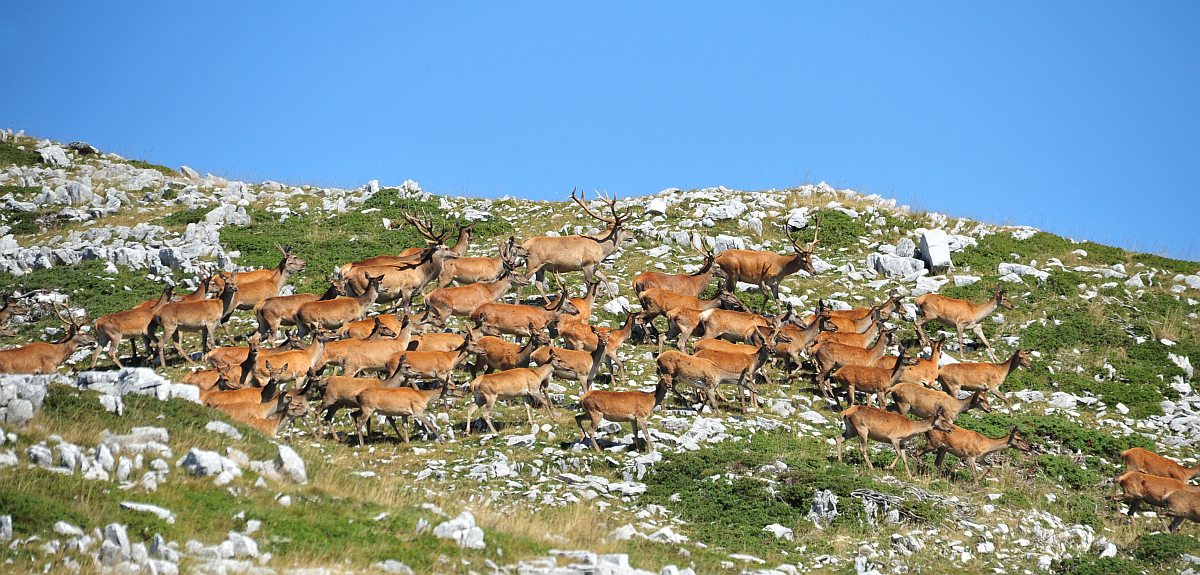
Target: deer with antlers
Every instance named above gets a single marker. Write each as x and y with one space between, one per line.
767 269
424 226
959 314
577 252
402 282
134 323
865 422
970 446
692 284
444 302
45 357
203 316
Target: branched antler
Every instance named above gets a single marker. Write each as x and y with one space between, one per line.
616 219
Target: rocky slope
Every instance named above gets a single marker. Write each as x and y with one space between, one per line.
120 470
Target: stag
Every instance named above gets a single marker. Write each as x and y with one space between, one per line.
577 252
43 357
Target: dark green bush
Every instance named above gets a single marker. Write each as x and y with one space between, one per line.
1092 565
12 155
1162 547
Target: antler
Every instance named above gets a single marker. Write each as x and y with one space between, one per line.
611 202
68 319
811 245
699 246
424 226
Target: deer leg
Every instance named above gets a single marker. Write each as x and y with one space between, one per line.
403 422
978 329
487 415
178 343
162 363
1133 507
919 323
470 410
996 392
362 419
582 430
962 347
545 399
862 446
97 351
762 288
528 411
974 470
645 423
903 457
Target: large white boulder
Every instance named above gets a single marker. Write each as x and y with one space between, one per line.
935 251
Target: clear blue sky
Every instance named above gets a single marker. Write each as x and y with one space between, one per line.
1078 117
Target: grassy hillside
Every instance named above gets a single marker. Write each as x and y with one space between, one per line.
1105 356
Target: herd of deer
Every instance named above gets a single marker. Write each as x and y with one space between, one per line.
732 347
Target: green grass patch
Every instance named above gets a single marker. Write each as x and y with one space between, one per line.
1092 565
994 249
838 230
1164 547
182 218
149 166
89 286
12 154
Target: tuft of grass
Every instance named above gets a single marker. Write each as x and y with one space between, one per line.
149 166
182 218
1092 565
994 249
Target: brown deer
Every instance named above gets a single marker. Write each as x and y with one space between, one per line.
1146 461
1138 488
528 383
300 362
870 380
401 282
632 406
981 376
224 394
959 314
827 355
574 337
577 252
424 226
229 356
361 329
205 286
339 352
444 302
752 363
448 341
923 371
271 425
203 316
341 392
228 373
495 354
402 402
334 313
434 365
692 284
795 339
921 401
288 265
969 446
856 339
514 319
255 287
676 367
890 306
581 366
278 311
736 325
466 271
134 323
867 422
45 357
766 269
658 301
